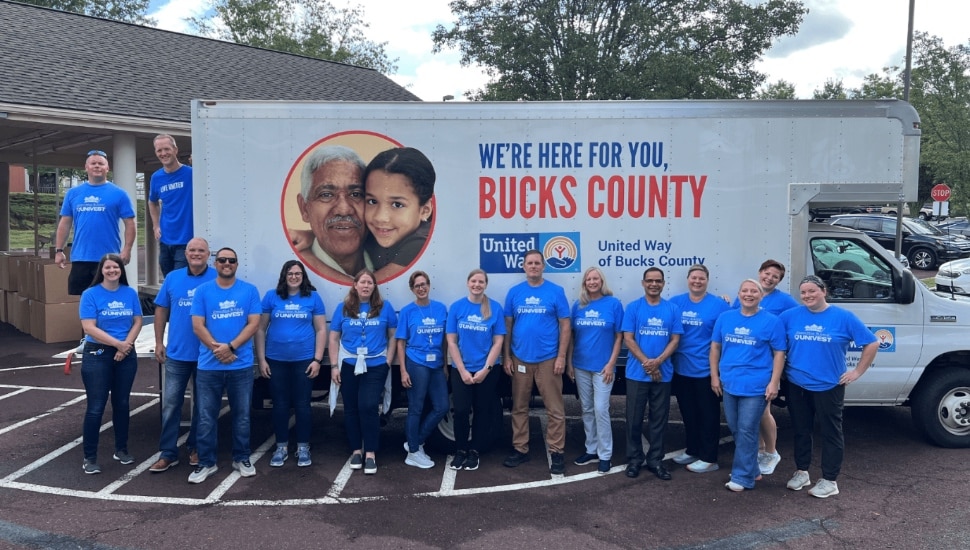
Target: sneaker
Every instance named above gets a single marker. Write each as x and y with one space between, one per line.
123 457
356 461
701 467
194 457
824 489
90 466
419 460
407 448
558 466
585 459
370 465
604 466
201 473
799 480
279 456
244 467
732 486
684 458
471 463
303 455
515 459
458 462
162 464
767 462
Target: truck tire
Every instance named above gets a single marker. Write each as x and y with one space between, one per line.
922 258
941 408
443 438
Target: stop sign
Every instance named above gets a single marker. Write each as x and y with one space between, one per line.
940 192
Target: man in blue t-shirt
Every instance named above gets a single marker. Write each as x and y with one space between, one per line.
225 316
170 185
94 209
537 327
173 306
651 331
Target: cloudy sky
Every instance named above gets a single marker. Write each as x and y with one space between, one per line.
845 39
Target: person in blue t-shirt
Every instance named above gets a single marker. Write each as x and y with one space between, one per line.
651 331
111 317
421 350
180 357
225 316
361 334
537 328
819 335
94 209
290 342
591 363
475 332
747 358
170 185
699 406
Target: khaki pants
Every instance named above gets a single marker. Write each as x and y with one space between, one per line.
550 388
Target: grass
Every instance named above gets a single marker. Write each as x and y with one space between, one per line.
22 220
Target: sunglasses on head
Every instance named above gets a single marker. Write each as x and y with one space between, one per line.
97 152
226 260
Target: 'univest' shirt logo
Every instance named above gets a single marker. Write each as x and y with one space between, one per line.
813 333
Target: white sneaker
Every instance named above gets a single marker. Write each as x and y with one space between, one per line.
407 448
701 467
419 460
767 462
201 473
245 468
684 458
732 486
799 480
824 489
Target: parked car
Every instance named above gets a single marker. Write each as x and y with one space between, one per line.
823 213
954 277
955 226
923 244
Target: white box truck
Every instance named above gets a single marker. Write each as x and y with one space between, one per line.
622 185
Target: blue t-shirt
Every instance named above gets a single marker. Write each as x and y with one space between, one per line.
175 192
176 294
652 327
367 332
423 329
693 356
535 312
96 210
817 343
475 333
747 350
775 303
290 335
112 310
226 312
594 330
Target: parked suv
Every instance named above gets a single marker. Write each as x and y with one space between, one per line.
924 245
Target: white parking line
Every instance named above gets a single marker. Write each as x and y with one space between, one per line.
48 412
13 393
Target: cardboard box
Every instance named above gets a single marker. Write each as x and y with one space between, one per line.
51 323
50 283
10 305
8 270
3 306
24 280
22 314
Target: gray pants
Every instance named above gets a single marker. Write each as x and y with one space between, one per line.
654 396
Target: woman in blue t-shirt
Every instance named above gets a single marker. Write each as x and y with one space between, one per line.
421 350
290 342
360 333
111 318
475 332
747 358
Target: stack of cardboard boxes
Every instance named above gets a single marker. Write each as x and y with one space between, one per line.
35 300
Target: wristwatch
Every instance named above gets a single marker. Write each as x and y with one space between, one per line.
319 361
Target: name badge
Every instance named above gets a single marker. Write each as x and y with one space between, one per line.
362 351
521 369
431 357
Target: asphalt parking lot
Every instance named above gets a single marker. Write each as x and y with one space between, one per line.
897 491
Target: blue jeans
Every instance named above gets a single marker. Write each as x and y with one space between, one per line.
425 382
744 417
177 374
362 396
102 375
654 396
238 385
594 396
290 387
171 257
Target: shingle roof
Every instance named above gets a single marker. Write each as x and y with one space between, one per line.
63 60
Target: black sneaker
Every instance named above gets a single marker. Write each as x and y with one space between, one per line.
123 457
90 466
471 463
585 458
515 459
604 466
458 462
558 466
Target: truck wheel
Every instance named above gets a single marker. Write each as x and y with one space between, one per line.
443 438
941 408
922 258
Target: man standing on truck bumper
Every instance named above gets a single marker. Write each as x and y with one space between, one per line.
170 205
651 331
537 324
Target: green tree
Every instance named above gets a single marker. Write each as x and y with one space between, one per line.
132 11
617 49
781 89
832 89
314 28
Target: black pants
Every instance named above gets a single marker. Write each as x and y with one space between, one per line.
654 396
805 408
81 277
701 410
480 399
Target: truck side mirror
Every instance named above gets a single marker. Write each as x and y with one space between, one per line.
904 284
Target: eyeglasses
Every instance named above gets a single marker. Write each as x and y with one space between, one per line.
421 285
227 260
97 152
654 281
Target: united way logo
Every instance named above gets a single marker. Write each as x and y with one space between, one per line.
561 251
886 336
